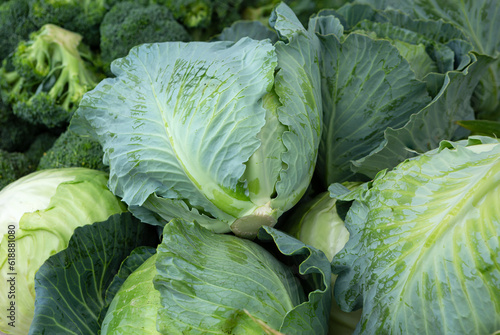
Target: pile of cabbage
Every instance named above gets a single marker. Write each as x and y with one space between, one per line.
282 180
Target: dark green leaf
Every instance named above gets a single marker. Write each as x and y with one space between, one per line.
71 285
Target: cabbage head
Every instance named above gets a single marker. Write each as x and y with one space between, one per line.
224 133
200 282
38 214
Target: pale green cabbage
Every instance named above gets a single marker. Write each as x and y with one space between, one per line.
38 214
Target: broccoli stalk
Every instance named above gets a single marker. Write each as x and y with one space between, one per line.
11 84
51 74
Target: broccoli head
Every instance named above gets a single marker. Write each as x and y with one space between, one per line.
128 24
204 18
14 25
72 150
15 134
14 165
48 75
81 16
192 13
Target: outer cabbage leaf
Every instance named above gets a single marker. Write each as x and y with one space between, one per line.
318 223
480 20
380 104
135 306
43 209
180 120
222 284
425 129
424 247
297 85
253 29
71 285
367 87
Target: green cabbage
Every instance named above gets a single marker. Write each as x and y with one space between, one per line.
38 214
224 133
200 282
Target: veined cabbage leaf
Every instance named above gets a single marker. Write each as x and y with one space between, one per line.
392 87
424 251
200 282
224 133
75 286
480 21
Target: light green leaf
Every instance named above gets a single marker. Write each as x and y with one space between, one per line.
424 246
265 165
207 280
43 209
134 308
180 120
297 86
221 284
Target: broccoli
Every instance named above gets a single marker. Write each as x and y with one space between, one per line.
192 13
47 76
14 25
80 16
72 150
128 24
205 18
15 134
260 10
14 165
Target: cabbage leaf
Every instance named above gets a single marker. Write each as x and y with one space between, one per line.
425 244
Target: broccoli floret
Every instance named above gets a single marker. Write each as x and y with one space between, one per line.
205 18
192 13
72 150
47 76
128 24
260 10
15 134
14 165
81 16
14 25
